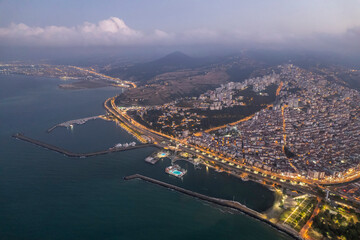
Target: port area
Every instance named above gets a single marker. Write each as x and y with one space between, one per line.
22 137
123 145
156 156
176 171
221 202
71 123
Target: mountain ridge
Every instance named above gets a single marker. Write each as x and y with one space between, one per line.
143 72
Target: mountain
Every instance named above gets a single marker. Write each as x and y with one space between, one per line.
142 72
175 60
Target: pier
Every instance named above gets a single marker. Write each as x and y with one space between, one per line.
72 154
152 160
221 202
73 122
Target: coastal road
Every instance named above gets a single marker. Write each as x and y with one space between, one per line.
215 157
163 140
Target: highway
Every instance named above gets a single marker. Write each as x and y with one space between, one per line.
233 166
159 138
163 140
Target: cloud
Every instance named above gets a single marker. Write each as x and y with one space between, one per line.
114 32
352 37
347 42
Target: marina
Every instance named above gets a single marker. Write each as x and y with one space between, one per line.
221 202
58 168
25 168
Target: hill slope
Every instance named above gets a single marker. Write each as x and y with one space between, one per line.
143 72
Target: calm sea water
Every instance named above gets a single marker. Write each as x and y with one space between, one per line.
45 195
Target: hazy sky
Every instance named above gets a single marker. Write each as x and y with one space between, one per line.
333 23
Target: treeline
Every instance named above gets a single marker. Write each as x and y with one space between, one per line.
333 226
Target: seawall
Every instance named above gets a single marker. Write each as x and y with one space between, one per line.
221 202
72 154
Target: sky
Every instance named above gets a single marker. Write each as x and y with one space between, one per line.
327 24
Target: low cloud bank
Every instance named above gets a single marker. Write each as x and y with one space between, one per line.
114 32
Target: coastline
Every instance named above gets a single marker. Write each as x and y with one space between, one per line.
45 161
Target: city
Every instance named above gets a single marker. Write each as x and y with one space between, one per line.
279 143
180 120
280 129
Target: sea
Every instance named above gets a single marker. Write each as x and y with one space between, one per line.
46 195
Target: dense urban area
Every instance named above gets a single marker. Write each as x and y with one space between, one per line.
295 130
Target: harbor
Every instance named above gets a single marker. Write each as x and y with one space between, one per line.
221 202
67 176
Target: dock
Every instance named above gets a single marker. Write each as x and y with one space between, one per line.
156 156
79 155
73 122
151 160
221 202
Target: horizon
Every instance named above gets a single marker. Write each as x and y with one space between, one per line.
193 119
324 26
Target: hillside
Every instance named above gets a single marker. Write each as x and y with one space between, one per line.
143 72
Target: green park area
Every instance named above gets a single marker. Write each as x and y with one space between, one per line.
336 223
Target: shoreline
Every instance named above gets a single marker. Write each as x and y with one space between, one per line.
75 83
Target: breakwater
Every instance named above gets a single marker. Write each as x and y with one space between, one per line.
220 202
72 154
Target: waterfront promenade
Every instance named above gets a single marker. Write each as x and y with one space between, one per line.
72 154
221 202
